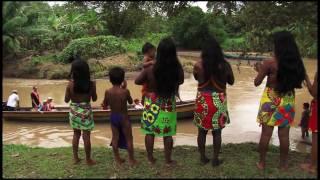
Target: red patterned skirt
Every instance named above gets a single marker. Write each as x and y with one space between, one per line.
313 122
211 110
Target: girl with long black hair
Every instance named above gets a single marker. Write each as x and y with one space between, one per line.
159 116
213 73
285 72
81 90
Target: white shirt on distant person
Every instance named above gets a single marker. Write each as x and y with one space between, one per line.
13 100
138 106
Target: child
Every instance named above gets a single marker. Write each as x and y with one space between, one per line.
305 120
81 90
117 98
137 104
148 51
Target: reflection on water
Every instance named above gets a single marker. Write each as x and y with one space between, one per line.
243 103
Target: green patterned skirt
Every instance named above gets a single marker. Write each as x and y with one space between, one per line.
81 116
159 116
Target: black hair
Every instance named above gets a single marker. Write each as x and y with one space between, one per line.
306 105
291 71
212 56
116 75
80 74
146 47
167 69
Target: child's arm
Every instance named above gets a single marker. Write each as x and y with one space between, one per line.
195 71
142 77
105 100
148 63
94 91
129 98
124 84
230 75
262 72
67 94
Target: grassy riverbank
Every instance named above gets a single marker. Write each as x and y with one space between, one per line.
239 161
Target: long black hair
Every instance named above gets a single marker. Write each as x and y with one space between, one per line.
80 74
167 69
291 71
212 57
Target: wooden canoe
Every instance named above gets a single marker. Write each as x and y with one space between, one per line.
184 111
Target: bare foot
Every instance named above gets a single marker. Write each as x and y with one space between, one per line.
91 162
216 162
119 161
204 160
283 167
307 167
133 162
152 161
260 166
76 161
171 163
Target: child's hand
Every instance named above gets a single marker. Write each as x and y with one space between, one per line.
257 66
124 84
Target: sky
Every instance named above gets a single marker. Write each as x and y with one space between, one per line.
201 4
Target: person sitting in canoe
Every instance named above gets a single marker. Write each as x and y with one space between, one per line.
50 105
43 106
47 105
117 97
137 104
35 99
13 101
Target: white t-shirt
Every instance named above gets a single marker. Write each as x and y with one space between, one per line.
13 100
138 106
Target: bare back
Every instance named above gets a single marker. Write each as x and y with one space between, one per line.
117 99
268 68
77 97
213 84
147 76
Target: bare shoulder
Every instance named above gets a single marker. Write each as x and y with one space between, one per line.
198 64
269 62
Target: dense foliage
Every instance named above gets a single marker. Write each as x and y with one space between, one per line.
95 47
83 26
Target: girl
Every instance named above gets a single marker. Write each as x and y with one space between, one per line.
313 125
80 91
159 116
284 72
213 73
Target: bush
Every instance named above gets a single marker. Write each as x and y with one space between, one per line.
234 44
192 27
41 59
135 44
92 47
58 73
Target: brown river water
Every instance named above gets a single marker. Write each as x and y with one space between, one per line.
243 103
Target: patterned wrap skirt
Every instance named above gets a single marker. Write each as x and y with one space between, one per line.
211 110
276 110
313 122
159 115
81 116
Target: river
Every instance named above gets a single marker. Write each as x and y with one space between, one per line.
243 103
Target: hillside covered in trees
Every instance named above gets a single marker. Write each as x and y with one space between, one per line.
36 33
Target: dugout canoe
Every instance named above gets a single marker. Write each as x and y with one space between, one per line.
245 57
184 111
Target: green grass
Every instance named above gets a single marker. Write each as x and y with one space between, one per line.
20 161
